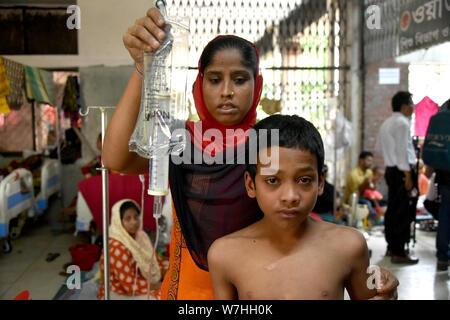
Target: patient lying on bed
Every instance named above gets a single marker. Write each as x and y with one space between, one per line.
31 163
287 255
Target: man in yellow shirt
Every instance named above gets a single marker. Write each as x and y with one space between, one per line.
360 178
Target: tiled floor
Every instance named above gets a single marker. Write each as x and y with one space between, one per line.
420 281
25 267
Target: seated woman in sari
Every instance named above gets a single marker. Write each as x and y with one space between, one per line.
130 253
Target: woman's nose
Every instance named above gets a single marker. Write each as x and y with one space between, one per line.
227 89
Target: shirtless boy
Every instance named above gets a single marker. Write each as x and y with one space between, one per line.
286 254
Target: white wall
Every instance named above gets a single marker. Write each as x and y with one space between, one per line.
436 54
103 23
429 71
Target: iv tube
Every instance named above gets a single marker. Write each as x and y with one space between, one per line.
156 200
149 278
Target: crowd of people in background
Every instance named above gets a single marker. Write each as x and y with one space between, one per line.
407 177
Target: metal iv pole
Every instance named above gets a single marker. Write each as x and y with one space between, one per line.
105 202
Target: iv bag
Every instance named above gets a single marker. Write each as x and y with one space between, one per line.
163 101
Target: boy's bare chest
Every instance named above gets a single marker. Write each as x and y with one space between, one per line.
300 275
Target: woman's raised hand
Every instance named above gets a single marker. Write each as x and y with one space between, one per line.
144 35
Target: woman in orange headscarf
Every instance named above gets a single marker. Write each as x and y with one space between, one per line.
209 200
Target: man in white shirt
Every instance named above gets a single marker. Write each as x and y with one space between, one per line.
394 143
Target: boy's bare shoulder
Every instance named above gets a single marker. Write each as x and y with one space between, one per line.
345 239
238 236
231 244
339 230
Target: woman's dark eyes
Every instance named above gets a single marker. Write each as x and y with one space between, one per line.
240 80
237 80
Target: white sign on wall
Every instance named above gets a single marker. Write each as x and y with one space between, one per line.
389 76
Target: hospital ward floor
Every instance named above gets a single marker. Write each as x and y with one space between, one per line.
26 267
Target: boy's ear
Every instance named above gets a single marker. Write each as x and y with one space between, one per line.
250 185
321 183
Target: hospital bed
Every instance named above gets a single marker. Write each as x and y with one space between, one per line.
50 184
16 197
16 203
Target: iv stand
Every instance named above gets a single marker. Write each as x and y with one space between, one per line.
105 201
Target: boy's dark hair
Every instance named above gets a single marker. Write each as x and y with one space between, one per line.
399 99
294 132
248 52
128 205
365 154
